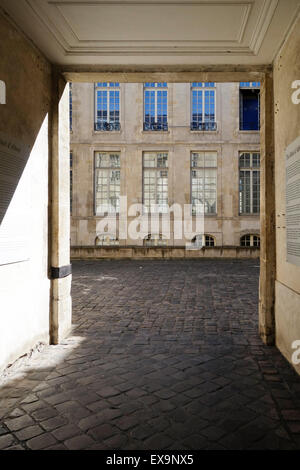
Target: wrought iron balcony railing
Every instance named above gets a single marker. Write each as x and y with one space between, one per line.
107 126
203 126
155 126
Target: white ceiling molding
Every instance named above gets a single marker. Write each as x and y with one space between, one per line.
262 25
66 35
97 32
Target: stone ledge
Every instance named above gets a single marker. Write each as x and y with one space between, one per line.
138 252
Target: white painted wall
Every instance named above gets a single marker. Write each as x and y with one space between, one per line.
24 283
24 286
287 129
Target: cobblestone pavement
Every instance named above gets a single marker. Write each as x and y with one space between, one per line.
164 355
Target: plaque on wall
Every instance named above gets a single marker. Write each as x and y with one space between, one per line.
14 202
292 155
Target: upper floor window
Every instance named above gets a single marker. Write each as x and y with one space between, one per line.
204 182
249 192
249 106
107 106
250 240
249 84
107 182
203 106
156 106
155 181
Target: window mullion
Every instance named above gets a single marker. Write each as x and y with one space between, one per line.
96 108
156 190
108 185
204 187
108 104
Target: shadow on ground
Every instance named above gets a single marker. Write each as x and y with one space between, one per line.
164 355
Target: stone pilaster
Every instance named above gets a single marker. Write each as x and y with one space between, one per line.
267 215
60 269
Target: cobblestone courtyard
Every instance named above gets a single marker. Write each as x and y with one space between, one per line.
163 355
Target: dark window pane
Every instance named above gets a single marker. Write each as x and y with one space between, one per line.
249 110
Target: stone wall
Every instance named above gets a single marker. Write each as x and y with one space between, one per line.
227 226
287 129
140 252
24 121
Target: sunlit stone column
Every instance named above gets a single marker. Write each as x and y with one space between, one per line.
60 268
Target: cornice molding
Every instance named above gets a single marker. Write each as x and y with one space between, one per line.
156 47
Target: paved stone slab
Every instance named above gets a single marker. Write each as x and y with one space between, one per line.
41 442
164 355
79 442
19 423
29 432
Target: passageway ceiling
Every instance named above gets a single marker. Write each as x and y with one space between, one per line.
165 32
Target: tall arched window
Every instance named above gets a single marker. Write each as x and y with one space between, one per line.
107 182
155 181
204 182
249 191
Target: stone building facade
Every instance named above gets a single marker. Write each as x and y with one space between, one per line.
191 141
